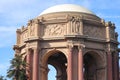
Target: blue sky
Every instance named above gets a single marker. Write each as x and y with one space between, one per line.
16 13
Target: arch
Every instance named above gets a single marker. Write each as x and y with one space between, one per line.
58 60
94 65
49 53
99 57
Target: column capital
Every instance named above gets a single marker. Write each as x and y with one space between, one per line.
29 49
81 47
36 49
70 46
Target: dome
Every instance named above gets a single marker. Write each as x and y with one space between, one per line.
66 8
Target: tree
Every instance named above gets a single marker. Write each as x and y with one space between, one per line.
2 78
17 70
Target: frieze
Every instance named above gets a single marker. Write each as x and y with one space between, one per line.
94 31
55 30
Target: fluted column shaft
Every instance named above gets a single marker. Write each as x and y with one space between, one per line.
35 64
116 66
69 68
80 63
28 72
109 65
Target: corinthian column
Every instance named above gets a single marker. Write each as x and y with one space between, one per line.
109 65
28 61
35 64
69 67
80 62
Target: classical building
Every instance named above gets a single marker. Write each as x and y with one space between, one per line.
79 44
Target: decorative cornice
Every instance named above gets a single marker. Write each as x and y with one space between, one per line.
113 41
52 21
93 22
109 24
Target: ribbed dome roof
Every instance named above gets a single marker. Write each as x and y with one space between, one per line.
66 8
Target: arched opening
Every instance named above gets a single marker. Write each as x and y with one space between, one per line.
89 67
93 66
58 60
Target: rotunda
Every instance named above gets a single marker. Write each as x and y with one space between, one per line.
79 44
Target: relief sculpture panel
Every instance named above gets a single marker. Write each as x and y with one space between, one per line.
55 30
94 31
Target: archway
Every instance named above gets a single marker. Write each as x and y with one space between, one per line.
58 60
93 66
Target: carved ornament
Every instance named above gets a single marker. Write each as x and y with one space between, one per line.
54 30
94 31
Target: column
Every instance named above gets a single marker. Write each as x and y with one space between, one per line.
115 65
69 67
35 64
109 66
28 70
80 62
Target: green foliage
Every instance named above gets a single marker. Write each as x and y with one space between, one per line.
2 78
17 70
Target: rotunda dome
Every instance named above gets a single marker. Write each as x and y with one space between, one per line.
66 8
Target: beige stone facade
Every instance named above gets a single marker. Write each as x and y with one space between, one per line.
81 46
